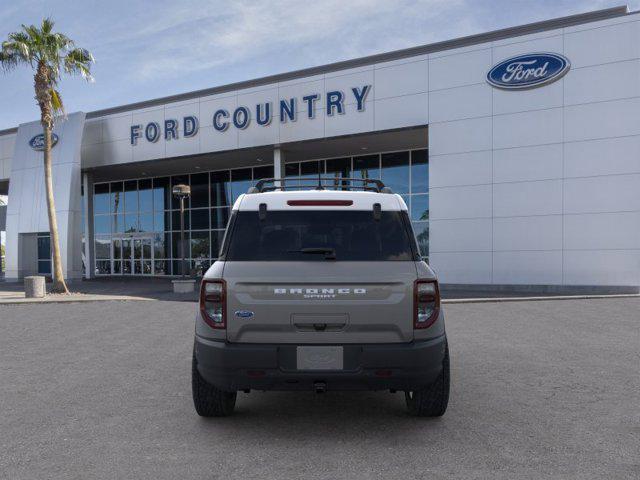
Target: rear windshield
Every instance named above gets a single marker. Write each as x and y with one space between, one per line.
314 235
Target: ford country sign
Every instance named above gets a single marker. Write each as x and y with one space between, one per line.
37 142
528 71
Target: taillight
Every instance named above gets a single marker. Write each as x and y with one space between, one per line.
212 303
426 303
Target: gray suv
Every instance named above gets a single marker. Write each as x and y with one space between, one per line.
320 289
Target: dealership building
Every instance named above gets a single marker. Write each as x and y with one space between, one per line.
517 152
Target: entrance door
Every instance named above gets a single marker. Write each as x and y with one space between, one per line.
142 256
133 255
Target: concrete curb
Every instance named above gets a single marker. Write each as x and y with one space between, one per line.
72 299
537 299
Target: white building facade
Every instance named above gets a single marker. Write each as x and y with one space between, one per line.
517 151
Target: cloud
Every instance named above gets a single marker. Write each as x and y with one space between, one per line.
153 48
202 35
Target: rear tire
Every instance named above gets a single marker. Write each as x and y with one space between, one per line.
209 400
432 400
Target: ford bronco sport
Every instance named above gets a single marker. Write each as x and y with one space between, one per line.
320 289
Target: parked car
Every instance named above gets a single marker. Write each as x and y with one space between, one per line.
320 289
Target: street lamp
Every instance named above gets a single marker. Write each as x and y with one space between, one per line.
181 192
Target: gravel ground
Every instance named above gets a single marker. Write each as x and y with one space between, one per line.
547 389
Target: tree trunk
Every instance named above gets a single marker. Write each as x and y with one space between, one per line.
59 285
42 85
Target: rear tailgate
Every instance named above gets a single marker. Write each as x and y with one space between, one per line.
319 302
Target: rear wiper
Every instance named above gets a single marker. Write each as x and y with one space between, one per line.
329 253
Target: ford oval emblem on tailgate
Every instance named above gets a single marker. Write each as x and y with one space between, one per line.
244 314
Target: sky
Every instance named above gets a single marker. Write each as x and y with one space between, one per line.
150 49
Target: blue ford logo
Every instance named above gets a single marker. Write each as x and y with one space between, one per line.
528 71
37 142
243 314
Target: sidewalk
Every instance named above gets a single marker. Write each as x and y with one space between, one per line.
103 289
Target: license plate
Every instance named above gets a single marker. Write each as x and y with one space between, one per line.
320 358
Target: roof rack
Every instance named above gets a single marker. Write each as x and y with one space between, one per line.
320 183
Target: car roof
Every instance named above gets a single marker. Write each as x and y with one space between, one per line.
279 200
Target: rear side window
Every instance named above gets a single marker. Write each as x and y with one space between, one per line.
303 235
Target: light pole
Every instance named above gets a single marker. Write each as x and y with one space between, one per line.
181 192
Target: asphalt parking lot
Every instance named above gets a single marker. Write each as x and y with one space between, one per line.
546 389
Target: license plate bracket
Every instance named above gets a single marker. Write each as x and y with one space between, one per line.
319 357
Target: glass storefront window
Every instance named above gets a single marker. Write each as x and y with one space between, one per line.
144 210
117 249
216 242
260 173
219 217
103 247
240 182
200 190
161 194
339 168
395 171
44 253
200 219
177 266
131 196
367 166
160 245
130 223
421 230
145 195
161 267
145 222
175 245
117 190
102 224
161 221
419 171
101 198
292 170
200 245
420 207
117 223
311 170
103 267
220 190
175 220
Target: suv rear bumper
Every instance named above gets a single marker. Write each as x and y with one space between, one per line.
402 366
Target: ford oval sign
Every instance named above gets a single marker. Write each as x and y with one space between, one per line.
37 142
244 313
528 71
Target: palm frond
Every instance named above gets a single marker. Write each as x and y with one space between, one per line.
50 53
78 61
47 25
56 101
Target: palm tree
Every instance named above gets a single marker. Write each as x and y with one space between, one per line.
48 54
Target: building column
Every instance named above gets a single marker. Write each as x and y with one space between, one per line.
3 223
87 205
278 165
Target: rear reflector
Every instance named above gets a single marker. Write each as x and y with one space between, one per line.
319 203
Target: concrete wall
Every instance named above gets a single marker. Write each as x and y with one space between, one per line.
6 153
539 186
